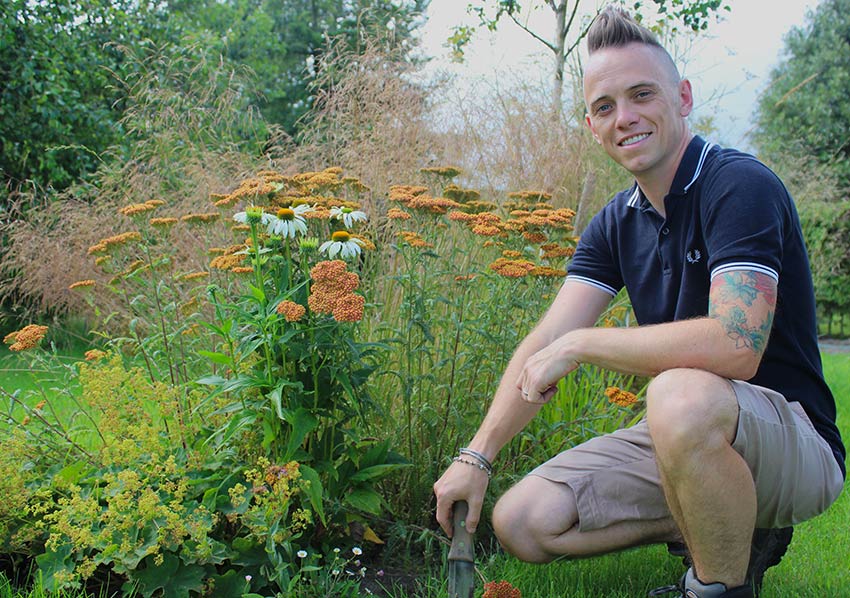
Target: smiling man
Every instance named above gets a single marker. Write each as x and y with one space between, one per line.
739 443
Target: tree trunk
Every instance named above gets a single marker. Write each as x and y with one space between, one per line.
560 42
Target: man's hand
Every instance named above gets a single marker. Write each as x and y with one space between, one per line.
541 372
460 482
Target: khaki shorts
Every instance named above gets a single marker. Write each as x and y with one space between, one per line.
615 478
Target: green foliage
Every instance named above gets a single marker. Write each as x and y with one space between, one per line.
804 110
826 227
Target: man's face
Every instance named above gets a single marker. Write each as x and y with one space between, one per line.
636 108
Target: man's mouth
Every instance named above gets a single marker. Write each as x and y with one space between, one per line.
633 139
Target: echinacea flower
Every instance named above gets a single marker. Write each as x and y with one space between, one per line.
289 221
342 244
348 216
253 214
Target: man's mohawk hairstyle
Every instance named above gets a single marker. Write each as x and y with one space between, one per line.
614 28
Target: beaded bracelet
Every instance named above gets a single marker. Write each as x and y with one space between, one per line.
477 455
474 464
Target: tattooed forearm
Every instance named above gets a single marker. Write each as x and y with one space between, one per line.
744 302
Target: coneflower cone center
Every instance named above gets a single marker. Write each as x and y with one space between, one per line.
286 214
341 235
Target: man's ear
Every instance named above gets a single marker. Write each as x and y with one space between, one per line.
592 130
686 97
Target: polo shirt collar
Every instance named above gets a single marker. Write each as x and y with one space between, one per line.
687 174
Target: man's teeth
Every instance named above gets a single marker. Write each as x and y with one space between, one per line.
635 139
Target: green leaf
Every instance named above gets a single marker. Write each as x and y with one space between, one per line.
52 563
216 357
376 471
303 422
314 490
175 579
365 499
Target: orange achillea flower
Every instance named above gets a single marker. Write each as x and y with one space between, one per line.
435 205
332 291
26 338
81 284
464 277
531 196
404 193
546 271
534 237
226 262
486 230
201 218
397 214
290 310
554 251
512 268
365 243
109 243
94 355
242 270
99 261
510 253
445 171
457 193
457 216
623 398
134 209
162 222
500 589
195 275
413 239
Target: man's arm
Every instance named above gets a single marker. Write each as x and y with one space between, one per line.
576 306
728 342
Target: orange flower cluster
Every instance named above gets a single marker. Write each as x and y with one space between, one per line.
26 338
435 205
332 291
620 397
456 193
290 310
227 261
531 196
413 239
448 172
134 209
555 251
195 275
397 214
546 271
242 269
500 589
512 268
81 284
110 243
250 189
404 193
94 355
162 222
202 218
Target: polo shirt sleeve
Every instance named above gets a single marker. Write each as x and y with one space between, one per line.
593 262
744 214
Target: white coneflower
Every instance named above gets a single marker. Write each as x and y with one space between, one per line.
253 215
289 221
342 244
348 216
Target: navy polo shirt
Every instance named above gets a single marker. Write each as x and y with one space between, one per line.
726 211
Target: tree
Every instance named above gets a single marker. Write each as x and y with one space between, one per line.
804 109
694 14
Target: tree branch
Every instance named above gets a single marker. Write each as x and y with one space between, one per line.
532 33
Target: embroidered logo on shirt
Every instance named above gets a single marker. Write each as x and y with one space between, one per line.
693 256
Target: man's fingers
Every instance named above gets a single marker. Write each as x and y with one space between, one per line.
444 515
473 516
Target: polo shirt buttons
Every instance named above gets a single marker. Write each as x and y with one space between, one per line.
665 231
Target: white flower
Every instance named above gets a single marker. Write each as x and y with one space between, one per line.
302 554
336 550
253 214
342 244
289 221
356 551
348 216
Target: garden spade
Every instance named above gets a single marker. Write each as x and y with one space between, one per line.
461 556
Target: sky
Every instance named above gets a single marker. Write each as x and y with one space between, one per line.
728 66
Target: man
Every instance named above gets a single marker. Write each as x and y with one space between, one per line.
740 430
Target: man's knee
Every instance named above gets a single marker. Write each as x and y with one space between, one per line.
690 409
530 514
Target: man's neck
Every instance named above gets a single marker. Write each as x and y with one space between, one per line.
656 184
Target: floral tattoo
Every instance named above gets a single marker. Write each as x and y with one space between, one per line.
744 302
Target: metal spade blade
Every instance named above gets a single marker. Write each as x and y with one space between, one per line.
461 555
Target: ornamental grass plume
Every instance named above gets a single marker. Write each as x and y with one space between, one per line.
26 338
500 589
620 397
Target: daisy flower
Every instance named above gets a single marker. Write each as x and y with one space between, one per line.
254 215
348 216
289 221
341 244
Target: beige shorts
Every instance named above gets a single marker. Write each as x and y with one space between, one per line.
615 478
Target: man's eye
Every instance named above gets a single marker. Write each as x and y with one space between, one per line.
603 108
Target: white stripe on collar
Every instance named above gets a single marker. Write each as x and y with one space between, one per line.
705 149
634 199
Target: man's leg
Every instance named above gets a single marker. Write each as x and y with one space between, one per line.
693 417
537 521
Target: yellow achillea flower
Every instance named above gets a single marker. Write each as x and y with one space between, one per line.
81 284
94 355
109 243
456 193
99 261
242 270
162 222
510 253
27 337
226 262
512 268
623 398
134 209
201 218
290 310
397 214
195 275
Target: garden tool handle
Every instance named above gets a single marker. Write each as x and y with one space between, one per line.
461 549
